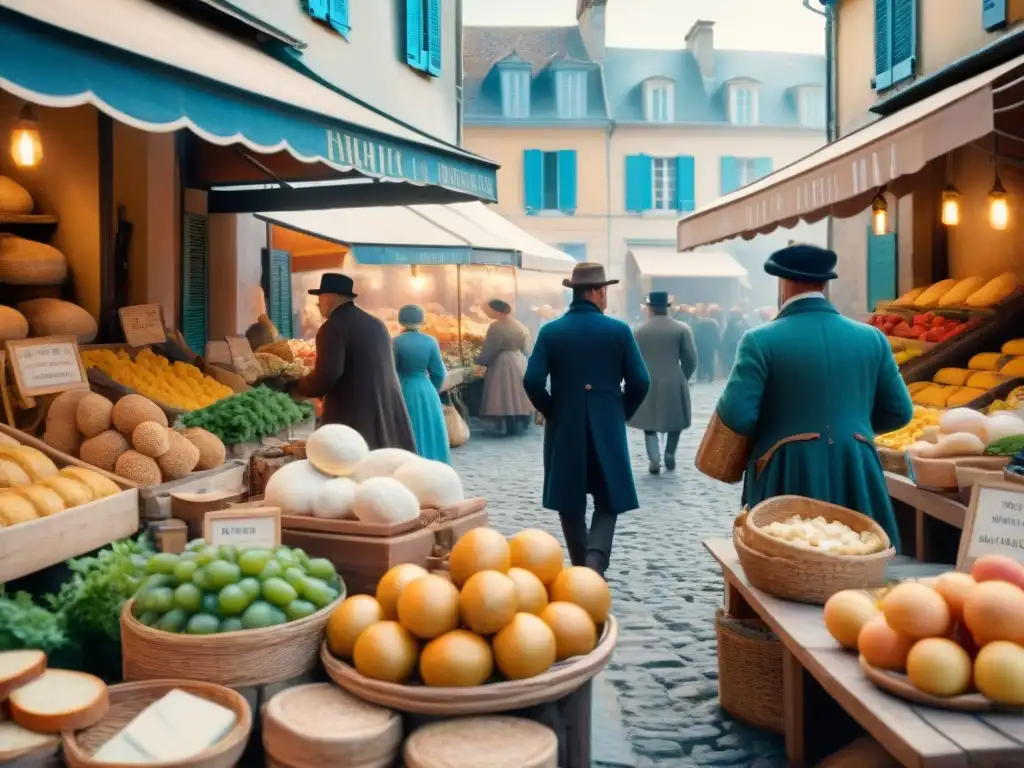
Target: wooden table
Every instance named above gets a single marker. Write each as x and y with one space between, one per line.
929 522
918 737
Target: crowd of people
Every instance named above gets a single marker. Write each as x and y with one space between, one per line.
717 335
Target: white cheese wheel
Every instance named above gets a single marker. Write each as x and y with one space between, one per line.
16 742
382 462
335 449
472 742
294 488
384 500
434 483
18 668
60 700
335 499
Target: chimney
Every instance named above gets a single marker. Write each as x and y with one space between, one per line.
590 16
700 41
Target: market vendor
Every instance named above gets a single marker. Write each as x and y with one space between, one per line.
355 369
811 389
504 352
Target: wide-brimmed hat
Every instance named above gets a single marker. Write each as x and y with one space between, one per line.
411 316
499 306
337 283
804 263
588 275
658 300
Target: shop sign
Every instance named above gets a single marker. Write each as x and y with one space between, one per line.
383 255
994 524
143 324
244 527
47 365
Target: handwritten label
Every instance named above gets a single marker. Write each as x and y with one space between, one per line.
994 524
244 527
218 353
46 365
143 325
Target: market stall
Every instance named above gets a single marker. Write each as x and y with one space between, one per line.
691 278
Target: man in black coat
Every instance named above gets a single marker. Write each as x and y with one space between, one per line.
355 370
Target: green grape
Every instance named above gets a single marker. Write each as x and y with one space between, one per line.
196 545
139 562
158 580
157 599
211 603
286 557
188 597
257 615
228 552
189 556
252 561
271 570
162 562
317 592
207 555
149 618
301 554
251 587
172 621
295 576
279 592
231 624
321 568
202 624
202 580
220 573
184 570
299 609
233 600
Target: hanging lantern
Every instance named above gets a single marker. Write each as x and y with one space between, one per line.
26 144
950 206
416 279
998 208
879 214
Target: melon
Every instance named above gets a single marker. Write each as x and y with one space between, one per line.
429 607
73 493
381 463
586 588
53 317
132 465
26 262
384 501
13 325
525 647
104 450
456 659
336 449
14 198
488 602
180 459
150 439
92 415
479 549
335 500
132 410
212 453
385 651
348 621
435 484
14 509
294 488
99 485
36 464
11 475
391 584
538 552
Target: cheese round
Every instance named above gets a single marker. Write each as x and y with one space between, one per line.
53 317
60 700
13 325
471 742
26 262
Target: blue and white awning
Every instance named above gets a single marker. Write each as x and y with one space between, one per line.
150 68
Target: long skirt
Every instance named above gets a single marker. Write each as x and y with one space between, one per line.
428 427
503 387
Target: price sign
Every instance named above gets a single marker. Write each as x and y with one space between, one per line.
241 351
46 365
245 527
143 324
994 523
218 353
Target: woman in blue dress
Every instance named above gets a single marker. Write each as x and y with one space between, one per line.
421 372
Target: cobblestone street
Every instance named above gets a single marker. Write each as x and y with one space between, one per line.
666 590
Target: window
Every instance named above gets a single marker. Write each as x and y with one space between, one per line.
659 183
423 35
812 107
663 183
739 171
549 181
333 12
515 92
659 102
571 90
895 42
743 104
577 250
746 170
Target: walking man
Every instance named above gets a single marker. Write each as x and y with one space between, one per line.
707 336
671 357
598 381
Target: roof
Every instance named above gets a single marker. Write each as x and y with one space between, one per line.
700 101
661 262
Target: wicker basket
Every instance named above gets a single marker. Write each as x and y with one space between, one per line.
749 672
781 508
893 461
235 659
562 679
129 699
472 742
722 453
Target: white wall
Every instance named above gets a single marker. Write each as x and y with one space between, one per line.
370 65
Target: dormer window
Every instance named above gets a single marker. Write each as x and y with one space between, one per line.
571 93
659 100
743 103
515 92
811 106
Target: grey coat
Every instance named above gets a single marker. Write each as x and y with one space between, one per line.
506 346
671 357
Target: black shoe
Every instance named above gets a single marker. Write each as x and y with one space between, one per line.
670 463
654 469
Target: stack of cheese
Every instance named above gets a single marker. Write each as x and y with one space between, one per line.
953 387
43 703
130 438
965 432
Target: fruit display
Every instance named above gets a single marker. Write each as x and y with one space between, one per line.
927 327
904 437
968 293
509 609
249 416
955 635
207 589
952 387
825 536
1011 403
176 384
341 478
130 438
904 350
966 432
304 350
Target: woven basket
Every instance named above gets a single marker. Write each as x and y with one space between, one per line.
722 453
781 508
235 659
562 679
473 742
749 673
129 699
893 461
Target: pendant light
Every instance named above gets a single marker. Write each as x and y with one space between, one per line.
950 197
26 144
879 214
416 279
998 207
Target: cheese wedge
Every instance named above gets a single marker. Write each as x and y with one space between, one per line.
18 668
16 742
60 700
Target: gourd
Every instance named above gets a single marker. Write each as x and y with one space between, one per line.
13 325
382 462
336 449
14 198
958 294
26 262
994 291
1002 425
964 420
335 500
930 298
294 488
53 317
434 483
384 501
956 444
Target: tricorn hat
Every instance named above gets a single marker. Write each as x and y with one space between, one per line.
335 282
588 275
804 263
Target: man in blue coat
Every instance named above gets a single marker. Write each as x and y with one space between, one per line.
598 381
812 389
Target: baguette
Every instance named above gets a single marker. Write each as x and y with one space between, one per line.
18 668
60 700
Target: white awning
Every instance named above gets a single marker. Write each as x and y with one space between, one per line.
536 254
842 178
386 226
661 262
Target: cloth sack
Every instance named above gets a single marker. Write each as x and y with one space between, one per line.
458 429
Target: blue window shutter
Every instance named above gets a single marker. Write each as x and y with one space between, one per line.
639 193
577 250
993 14
277 287
686 199
317 9
338 13
194 266
730 175
881 263
904 39
883 47
533 180
567 180
414 34
762 166
434 37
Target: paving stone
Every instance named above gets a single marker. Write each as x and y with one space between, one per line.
666 590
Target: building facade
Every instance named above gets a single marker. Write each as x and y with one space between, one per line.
602 148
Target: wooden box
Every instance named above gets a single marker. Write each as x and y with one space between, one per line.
29 547
156 502
363 553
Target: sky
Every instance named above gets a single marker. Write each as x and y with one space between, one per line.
763 25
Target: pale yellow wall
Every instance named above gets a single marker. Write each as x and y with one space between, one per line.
236 267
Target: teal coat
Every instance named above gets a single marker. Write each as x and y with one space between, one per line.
813 388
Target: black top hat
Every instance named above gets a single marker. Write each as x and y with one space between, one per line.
803 263
587 275
658 299
335 282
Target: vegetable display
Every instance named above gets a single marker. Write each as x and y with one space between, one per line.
177 384
249 416
208 589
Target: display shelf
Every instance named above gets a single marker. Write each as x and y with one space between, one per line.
40 227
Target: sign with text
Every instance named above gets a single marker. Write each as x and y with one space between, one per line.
47 365
244 527
994 524
241 351
218 353
143 324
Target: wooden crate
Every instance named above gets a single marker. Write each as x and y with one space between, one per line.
30 547
155 502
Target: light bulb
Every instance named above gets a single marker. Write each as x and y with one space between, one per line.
998 211
26 144
950 207
879 215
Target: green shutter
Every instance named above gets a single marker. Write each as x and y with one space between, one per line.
895 42
881 264
730 180
277 287
883 38
414 23
434 37
639 183
686 198
762 166
533 180
567 181
317 9
194 263
338 12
